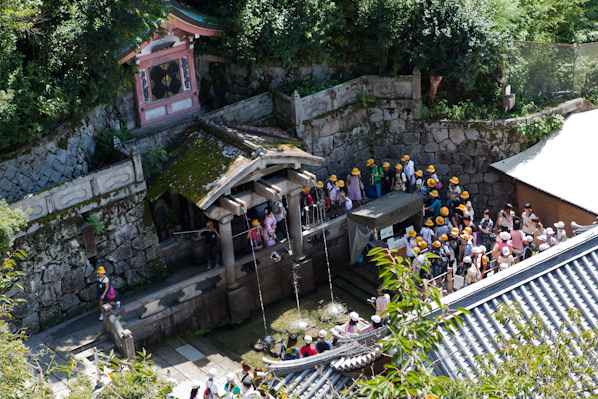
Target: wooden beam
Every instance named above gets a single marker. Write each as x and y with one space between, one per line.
263 189
302 177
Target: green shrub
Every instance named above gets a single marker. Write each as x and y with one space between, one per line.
307 87
153 160
540 126
104 152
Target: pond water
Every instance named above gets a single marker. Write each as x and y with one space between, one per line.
245 340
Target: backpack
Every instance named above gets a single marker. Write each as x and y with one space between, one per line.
322 346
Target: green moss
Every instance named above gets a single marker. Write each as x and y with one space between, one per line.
147 214
198 164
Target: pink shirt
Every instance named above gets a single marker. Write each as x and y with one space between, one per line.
517 239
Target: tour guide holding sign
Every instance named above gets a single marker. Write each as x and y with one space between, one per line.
211 235
376 174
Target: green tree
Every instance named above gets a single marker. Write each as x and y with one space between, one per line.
11 221
413 335
456 38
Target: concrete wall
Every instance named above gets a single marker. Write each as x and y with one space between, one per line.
224 83
64 154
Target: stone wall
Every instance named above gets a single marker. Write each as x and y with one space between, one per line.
223 83
63 155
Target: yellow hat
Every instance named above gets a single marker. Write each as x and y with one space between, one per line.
305 189
101 270
468 230
405 158
369 162
433 193
465 236
454 180
423 244
464 195
355 172
436 244
443 237
210 223
431 169
332 178
412 233
462 207
431 182
439 220
455 230
319 184
419 173
429 223
418 239
255 222
386 165
415 250
398 166
340 183
444 211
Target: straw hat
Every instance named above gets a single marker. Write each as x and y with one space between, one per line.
433 193
436 244
412 233
462 207
418 239
468 230
431 182
431 169
319 184
308 339
101 270
415 250
340 183
332 178
464 195
454 180
439 220
444 211
305 189
255 222
355 172
405 158
399 166
419 173
209 224
386 165
369 162
443 237
423 244
429 223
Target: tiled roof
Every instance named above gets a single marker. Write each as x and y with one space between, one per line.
316 383
548 284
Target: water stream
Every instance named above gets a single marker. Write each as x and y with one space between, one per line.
325 248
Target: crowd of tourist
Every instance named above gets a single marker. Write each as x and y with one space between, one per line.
243 384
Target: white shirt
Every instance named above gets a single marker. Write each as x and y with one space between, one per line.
334 193
276 208
251 393
409 170
469 209
505 262
527 222
382 303
213 388
409 247
426 234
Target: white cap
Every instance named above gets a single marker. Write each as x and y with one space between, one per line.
559 225
354 316
195 386
505 250
376 318
512 213
483 249
467 259
505 236
542 238
529 239
212 373
543 247
230 377
308 339
322 334
549 230
421 259
475 250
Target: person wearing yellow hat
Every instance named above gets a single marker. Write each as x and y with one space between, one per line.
418 239
454 191
409 169
419 182
411 243
432 205
321 202
426 231
400 179
466 251
332 190
467 202
441 227
343 200
432 171
255 235
355 186
454 246
106 292
307 204
470 228
388 178
376 174
211 236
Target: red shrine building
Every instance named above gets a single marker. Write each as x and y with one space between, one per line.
165 84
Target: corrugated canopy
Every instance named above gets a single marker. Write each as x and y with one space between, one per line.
387 210
563 164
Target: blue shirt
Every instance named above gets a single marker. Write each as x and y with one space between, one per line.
436 205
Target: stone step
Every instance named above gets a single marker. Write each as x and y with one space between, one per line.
104 346
354 288
101 339
367 272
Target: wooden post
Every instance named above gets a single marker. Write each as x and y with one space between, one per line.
449 280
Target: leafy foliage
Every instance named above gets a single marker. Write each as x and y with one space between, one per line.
104 152
57 58
413 335
96 225
11 221
307 87
153 160
540 126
